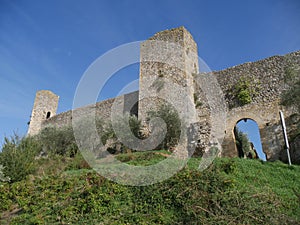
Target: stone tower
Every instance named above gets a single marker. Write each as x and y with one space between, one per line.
45 106
168 61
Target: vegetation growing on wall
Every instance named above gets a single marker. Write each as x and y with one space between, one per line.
245 89
292 95
197 101
158 84
291 98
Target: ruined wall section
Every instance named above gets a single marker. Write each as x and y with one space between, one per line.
128 103
268 79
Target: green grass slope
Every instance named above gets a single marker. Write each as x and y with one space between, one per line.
230 191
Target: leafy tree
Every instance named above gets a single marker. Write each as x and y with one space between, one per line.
173 124
128 129
242 142
58 141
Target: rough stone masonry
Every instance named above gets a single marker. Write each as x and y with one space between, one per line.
174 63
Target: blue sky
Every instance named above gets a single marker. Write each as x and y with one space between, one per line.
250 128
49 44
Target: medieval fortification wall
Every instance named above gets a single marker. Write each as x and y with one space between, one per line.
267 79
164 66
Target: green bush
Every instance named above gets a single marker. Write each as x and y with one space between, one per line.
3 178
128 127
17 157
84 128
245 89
173 124
78 162
230 191
58 141
244 97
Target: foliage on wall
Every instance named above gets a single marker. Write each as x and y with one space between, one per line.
197 102
292 95
245 90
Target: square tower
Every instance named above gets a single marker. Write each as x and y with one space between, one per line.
168 61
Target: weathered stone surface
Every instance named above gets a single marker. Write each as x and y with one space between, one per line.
168 61
294 151
45 106
168 73
128 103
268 77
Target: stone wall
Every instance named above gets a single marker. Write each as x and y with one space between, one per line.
293 125
266 76
169 73
128 104
268 79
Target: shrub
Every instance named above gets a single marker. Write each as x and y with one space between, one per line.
244 97
197 101
3 178
173 123
58 141
245 90
17 157
78 162
128 127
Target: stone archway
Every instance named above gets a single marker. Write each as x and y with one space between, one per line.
267 119
250 128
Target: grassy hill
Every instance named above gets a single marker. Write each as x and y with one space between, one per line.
230 191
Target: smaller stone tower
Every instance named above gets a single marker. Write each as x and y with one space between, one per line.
45 106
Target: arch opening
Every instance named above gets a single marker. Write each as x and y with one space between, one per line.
247 139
